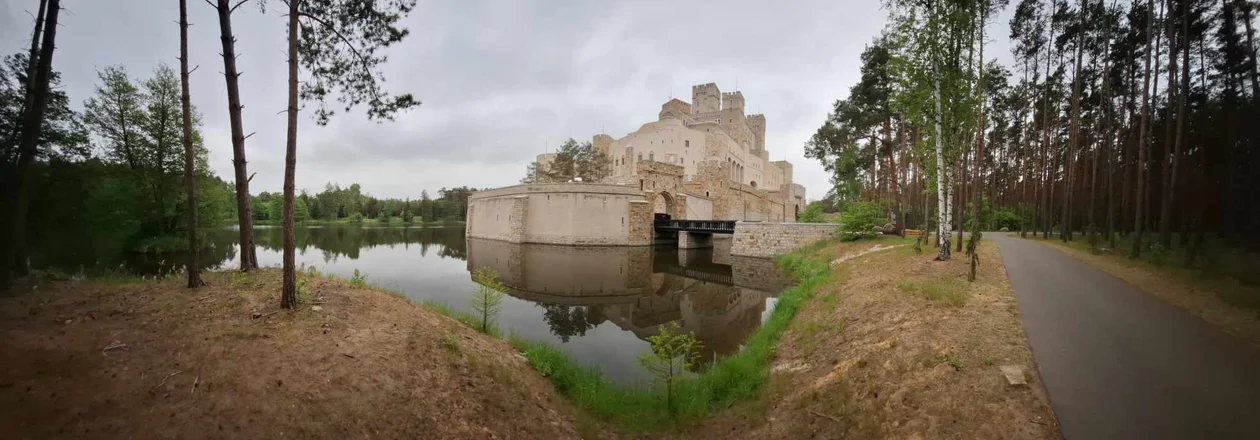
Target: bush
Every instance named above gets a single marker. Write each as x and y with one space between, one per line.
860 218
813 213
1006 219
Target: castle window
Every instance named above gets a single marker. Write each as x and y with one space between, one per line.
640 156
686 144
652 155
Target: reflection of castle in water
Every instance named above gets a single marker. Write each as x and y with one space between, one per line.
718 297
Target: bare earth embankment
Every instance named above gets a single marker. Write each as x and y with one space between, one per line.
900 346
156 360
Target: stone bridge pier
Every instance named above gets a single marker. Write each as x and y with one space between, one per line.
694 240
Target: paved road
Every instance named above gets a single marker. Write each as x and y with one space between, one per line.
1118 363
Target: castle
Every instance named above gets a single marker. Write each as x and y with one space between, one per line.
720 154
705 160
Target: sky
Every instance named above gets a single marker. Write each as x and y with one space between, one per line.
499 81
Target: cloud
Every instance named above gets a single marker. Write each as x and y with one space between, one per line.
500 81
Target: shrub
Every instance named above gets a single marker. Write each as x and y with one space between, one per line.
358 280
1006 219
860 218
672 354
813 213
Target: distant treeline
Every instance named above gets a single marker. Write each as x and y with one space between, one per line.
350 204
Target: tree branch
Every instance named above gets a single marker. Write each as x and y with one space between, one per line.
238 4
366 67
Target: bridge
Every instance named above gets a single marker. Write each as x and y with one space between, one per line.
698 226
692 234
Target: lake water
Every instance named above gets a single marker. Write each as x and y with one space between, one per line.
598 303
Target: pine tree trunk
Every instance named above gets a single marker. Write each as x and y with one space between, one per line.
190 187
1143 142
1168 159
1251 47
13 232
288 292
20 268
244 212
1165 215
1074 136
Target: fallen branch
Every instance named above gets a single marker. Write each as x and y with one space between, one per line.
194 387
116 345
349 356
824 416
168 377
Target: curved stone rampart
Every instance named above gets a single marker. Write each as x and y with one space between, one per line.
588 214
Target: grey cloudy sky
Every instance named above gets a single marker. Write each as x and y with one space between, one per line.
500 81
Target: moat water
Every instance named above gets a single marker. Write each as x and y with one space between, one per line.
597 303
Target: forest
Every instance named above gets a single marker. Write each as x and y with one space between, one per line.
1131 125
350 204
129 172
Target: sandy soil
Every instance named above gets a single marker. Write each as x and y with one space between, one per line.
198 364
869 357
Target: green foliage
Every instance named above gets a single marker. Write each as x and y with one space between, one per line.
860 218
813 213
738 377
671 355
450 342
572 160
301 287
952 360
486 300
63 136
1005 218
341 49
1158 253
359 279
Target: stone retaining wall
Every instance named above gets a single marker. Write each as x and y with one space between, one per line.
764 240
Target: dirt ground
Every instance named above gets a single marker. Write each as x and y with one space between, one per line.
1205 297
899 346
198 364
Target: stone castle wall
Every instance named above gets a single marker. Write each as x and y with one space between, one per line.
766 240
561 213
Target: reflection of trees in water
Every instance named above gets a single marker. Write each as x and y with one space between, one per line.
568 321
104 256
336 242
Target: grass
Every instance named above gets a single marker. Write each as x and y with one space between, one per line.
951 291
952 360
738 377
807 333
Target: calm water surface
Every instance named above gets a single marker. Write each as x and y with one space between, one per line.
598 303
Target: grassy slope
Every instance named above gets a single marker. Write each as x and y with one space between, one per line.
896 345
735 378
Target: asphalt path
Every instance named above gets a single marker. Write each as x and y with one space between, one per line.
1118 363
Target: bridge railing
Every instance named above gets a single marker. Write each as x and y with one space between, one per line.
713 226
